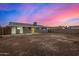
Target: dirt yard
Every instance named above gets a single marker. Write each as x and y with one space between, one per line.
53 44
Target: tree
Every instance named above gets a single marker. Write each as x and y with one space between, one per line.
34 23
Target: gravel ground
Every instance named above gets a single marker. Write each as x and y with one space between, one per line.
47 44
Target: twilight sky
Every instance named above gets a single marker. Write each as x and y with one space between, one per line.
51 14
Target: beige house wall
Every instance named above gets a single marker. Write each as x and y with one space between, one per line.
13 30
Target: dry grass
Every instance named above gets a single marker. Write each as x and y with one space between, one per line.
40 45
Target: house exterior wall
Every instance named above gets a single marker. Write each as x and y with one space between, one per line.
13 30
20 29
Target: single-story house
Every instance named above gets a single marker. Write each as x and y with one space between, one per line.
23 28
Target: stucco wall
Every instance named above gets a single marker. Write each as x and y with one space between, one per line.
13 30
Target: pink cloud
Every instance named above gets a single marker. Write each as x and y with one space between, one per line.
22 19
